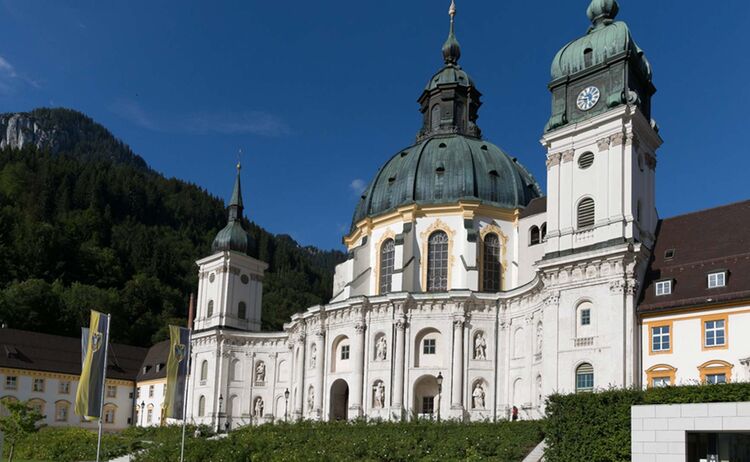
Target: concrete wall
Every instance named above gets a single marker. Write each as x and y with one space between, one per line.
659 432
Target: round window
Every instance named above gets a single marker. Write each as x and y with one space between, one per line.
586 160
211 277
244 279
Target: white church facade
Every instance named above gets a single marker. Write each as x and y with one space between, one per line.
467 292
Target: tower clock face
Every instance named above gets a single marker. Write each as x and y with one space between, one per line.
587 98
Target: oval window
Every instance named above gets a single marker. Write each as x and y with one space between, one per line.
586 160
244 279
211 277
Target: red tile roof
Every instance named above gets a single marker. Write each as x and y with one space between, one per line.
703 242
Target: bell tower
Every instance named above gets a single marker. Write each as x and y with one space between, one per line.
230 287
601 141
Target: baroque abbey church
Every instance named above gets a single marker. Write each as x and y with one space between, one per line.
468 291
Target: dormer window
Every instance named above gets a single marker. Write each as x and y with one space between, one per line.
669 254
717 279
664 288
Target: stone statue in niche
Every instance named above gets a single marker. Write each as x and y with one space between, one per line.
258 410
539 338
478 396
381 349
260 372
313 356
310 399
539 395
480 347
378 395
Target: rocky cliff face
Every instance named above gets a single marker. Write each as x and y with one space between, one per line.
21 129
64 131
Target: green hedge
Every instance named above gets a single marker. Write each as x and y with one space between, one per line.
308 441
596 426
69 445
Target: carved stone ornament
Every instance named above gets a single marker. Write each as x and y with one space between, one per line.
617 139
603 144
553 159
400 324
617 286
458 322
260 372
552 299
631 287
360 328
568 155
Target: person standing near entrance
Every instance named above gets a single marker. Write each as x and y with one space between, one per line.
514 414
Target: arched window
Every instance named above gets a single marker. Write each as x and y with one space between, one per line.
242 310
534 235
586 213
585 377
109 413
437 262
210 311
435 118
204 370
201 406
387 256
588 57
491 266
543 231
62 410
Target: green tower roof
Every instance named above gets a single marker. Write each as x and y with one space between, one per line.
233 236
605 39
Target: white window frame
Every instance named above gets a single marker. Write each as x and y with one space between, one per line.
585 315
111 391
345 352
63 387
663 288
37 386
661 336
715 330
717 279
11 382
429 348
660 382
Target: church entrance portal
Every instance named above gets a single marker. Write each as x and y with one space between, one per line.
339 400
426 400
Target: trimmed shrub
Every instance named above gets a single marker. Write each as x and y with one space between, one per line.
596 426
339 441
70 445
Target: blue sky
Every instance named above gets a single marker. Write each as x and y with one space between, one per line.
320 93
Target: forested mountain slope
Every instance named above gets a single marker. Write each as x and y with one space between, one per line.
85 224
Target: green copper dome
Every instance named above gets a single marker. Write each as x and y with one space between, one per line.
233 237
445 169
606 39
449 162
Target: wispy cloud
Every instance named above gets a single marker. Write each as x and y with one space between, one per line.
9 77
7 68
358 186
202 123
251 122
134 113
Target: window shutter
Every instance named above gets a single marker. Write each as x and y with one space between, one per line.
586 213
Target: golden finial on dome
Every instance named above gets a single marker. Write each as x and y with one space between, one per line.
452 9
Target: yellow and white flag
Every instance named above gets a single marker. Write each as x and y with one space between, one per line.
94 342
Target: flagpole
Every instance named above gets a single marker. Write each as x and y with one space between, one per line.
104 386
185 399
191 308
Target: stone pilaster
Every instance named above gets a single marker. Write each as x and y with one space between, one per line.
358 370
397 402
457 389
